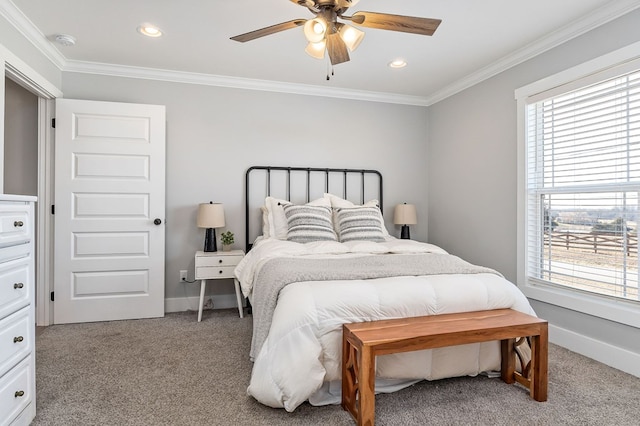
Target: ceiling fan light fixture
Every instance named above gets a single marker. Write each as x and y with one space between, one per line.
315 30
351 36
316 50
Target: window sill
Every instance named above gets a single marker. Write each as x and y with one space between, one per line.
621 311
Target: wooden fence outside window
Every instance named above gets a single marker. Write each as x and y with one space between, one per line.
593 241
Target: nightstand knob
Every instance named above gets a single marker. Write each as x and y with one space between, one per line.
19 393
18 339
220 272
220 261
18 223
18 285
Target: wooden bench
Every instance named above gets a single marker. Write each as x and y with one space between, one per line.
362 342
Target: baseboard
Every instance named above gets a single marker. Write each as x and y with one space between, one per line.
181 304
613 356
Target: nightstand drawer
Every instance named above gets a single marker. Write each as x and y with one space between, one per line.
217 260
212 272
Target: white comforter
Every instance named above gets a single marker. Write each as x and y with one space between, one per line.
300 359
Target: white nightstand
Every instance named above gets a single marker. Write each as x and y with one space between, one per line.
217 265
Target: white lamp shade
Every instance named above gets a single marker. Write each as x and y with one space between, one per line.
314 30
316 49
351 36
210 215
405 214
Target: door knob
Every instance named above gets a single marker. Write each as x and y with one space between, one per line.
157 221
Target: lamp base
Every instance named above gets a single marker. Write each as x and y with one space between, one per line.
404 233
210 240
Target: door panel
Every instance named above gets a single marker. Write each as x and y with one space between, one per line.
109 188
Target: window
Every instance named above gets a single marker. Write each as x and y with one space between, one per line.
583 150
580 188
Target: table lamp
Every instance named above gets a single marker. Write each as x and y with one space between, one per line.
405 215
210 216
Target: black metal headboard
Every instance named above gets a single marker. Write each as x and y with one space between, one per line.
300 184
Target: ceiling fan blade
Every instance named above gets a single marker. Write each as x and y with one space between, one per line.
338 52
406 24
269 30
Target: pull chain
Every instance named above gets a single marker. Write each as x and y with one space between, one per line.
329 78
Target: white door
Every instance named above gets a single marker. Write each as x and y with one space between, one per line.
109 211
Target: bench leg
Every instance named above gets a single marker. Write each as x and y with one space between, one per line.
349 376
539 358
366 386
508 361
358 381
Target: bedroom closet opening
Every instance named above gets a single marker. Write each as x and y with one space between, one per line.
20 140
26 144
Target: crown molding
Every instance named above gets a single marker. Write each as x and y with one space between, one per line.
20 22
601 16
239 83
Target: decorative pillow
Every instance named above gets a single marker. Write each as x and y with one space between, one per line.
265 222
278 225
359 224
338 203
309 223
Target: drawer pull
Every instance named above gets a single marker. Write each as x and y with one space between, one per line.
220 261
18 285
18 223
19 394
220 272
18 339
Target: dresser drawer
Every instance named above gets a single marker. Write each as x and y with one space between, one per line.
16 389
15 285
15 226
221 260
16 338
212 272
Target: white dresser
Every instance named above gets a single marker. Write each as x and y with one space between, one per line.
17 313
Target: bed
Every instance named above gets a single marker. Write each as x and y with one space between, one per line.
316 260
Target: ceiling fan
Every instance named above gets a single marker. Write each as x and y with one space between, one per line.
325 33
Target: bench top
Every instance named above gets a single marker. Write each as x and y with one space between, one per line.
446 329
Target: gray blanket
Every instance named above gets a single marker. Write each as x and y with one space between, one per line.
278 272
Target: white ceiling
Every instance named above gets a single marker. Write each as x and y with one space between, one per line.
477 38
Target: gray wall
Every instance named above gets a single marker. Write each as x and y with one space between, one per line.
472 169
214 134
20 140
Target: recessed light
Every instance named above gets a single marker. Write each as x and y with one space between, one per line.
398 63
149 30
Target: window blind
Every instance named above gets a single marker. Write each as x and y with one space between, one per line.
583 186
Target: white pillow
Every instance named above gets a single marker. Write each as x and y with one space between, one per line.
265 221
337 203
276 218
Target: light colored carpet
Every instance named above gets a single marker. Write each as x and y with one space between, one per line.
176 371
